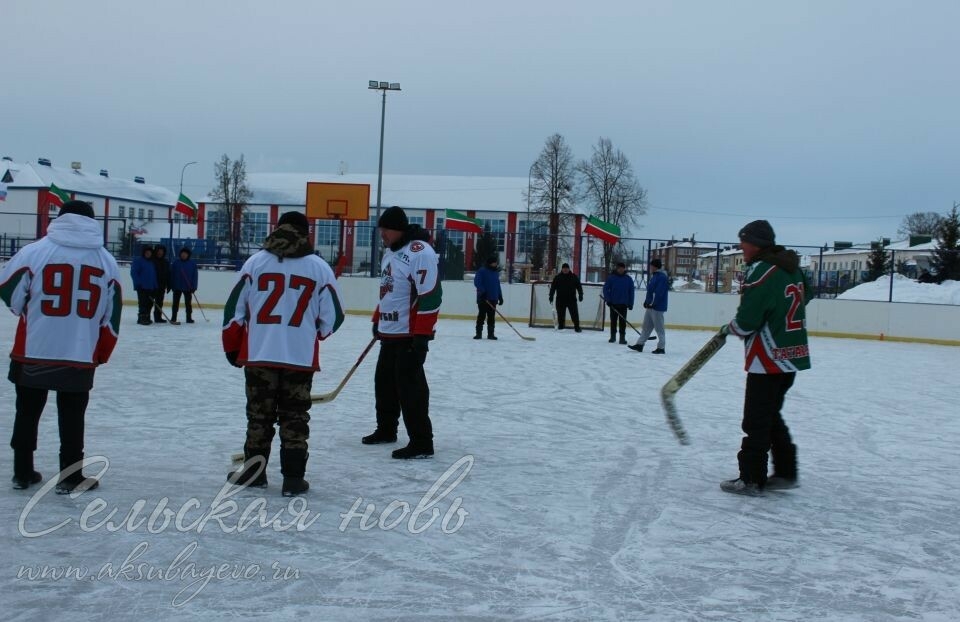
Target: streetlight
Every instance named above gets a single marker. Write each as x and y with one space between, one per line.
375 248
178 198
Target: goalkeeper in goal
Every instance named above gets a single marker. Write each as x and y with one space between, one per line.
566 287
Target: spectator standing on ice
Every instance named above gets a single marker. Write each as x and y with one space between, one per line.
489 295
143 273
771 319
162 265
618 294
183 281
567 289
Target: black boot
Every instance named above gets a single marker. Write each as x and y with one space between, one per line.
23 474
479 334
623 339
490 334
379 437
414 450
253 473
613 338
293 465
76 481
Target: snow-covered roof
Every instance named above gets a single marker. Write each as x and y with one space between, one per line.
481 194
30 176
899 245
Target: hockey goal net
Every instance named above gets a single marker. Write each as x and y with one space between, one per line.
542 311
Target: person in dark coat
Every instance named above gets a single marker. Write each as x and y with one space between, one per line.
618 294
143 273
162 265
183 282
566 287
487 282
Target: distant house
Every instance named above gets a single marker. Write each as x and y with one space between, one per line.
845 264
680 258
721 270
120 204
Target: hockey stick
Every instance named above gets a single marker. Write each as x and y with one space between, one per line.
164 315
625 319
494 307
197 300
323 397
691 367
329 397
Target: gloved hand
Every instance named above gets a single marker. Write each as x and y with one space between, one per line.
725 330
580 297
551 299
232 358
647 305
630 308
419 346
500 300
376 332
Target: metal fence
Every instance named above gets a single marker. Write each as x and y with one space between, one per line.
691 264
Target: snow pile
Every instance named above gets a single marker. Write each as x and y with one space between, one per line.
905 290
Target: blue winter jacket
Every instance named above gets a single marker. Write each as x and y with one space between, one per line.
618 289
183 275
144 274
657 290
487 282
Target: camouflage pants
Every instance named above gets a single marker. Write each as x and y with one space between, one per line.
277 396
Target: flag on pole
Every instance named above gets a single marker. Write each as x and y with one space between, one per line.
186 207
457 221
606 231
57 196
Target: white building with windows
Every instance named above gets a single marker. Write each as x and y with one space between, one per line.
128 208
498 202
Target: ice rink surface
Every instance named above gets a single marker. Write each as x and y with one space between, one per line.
557 491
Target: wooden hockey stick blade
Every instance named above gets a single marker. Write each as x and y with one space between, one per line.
503 317
329 397
685 373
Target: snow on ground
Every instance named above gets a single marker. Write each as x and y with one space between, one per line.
905 289
569 499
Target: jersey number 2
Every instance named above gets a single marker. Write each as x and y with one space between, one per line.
274 283
795 293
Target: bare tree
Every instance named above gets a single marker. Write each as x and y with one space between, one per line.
552 187
231 194
608 185
920 223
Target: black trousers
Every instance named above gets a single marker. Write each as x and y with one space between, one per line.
765 430
158 295
144 303
485 312
567 305
71 410
176 304
618 318
401 388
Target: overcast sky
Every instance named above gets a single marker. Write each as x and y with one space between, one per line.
832 119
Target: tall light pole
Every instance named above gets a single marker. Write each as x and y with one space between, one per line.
374 246
178 198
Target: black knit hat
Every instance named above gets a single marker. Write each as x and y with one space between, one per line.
393 218
566 265
620 264
759 233
77 207
656 263
493 259
296 220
